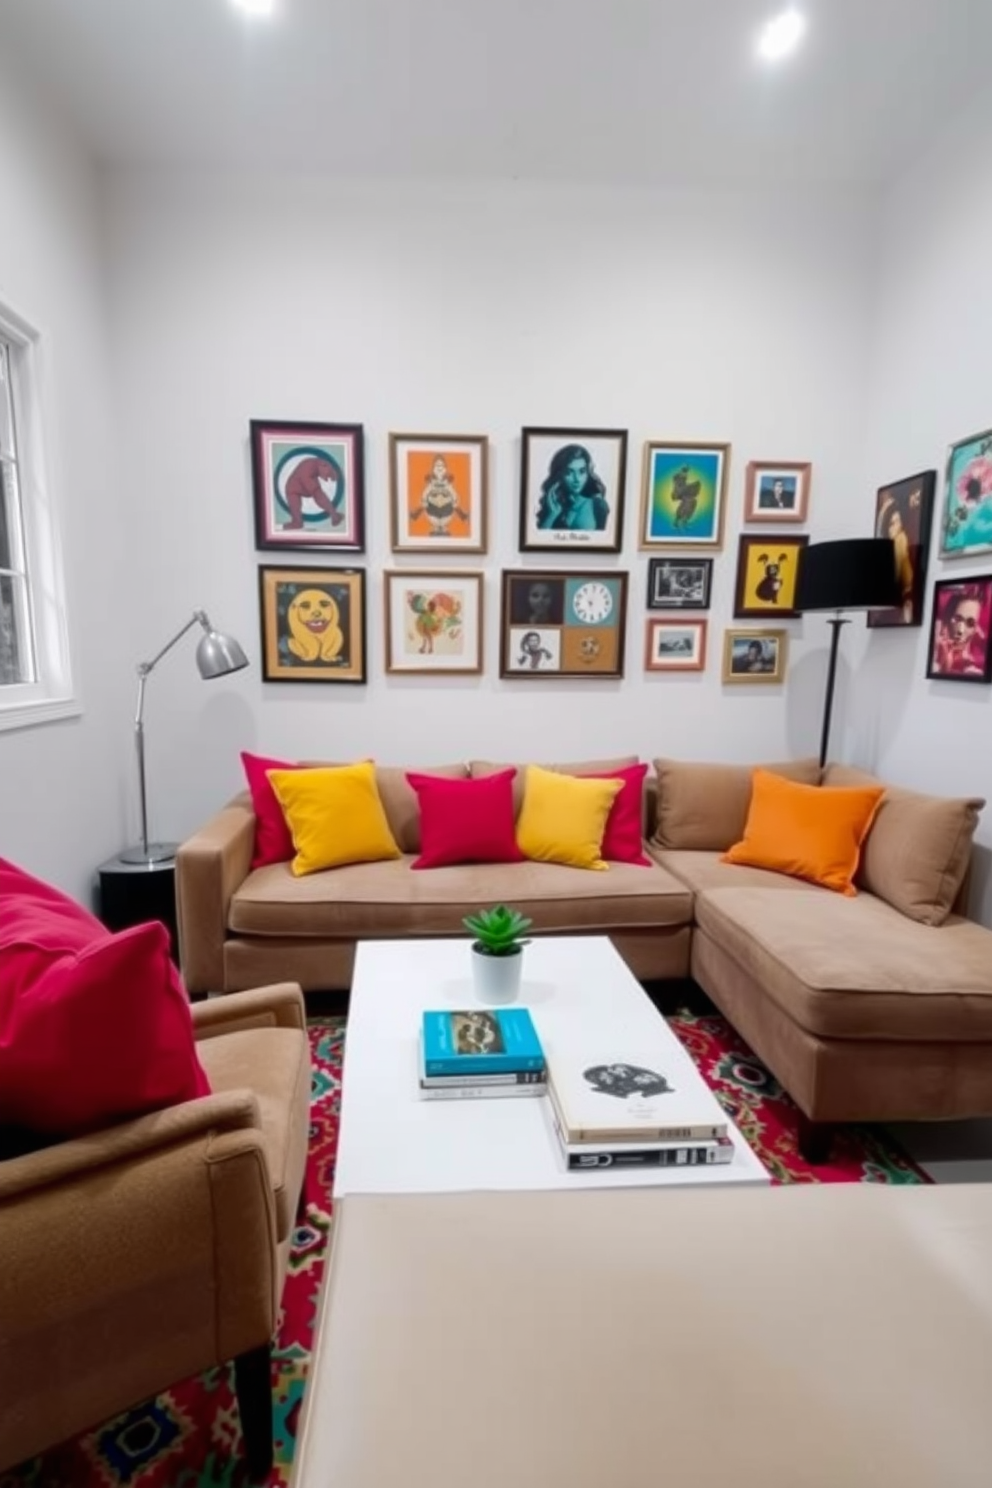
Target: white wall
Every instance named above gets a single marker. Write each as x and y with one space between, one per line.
690 316
61 784
929 386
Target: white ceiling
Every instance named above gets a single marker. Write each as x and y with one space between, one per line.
626 90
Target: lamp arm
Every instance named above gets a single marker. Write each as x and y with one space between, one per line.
144 668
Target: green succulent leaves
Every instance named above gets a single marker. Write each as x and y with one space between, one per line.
499 931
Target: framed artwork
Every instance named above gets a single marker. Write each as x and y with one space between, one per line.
572 489
961 630
679 583
439 488
562 625
313 624
767 571
904 513
433 622
754 655
684 495
675 646
966 524
777 491
309 484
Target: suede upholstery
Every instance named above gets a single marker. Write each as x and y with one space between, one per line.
140 1255
703 807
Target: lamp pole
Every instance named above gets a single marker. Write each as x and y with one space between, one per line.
835 622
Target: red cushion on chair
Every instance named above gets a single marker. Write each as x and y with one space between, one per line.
623 840
466 821
273 843
94 1027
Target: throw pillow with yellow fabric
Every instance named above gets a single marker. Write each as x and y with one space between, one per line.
335 816
805 831
563 818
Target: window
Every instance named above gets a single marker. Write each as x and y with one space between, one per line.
34 659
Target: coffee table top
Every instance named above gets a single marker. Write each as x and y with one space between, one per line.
392 1141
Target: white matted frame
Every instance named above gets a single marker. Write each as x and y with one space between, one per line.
433 622
439 493
675 645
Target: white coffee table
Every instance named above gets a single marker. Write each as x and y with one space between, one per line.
392 1142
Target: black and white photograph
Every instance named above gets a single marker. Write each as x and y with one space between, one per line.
777 491
531 649
572 489
675 646
536 601
679 583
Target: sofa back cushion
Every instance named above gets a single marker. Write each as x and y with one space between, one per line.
919 848
703 807
399 799
584 767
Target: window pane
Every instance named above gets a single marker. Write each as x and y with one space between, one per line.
10 548
6 404
15 650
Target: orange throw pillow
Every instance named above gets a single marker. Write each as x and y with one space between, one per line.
806 831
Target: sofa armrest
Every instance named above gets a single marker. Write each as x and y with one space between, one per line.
280 1006
121 1279
210 866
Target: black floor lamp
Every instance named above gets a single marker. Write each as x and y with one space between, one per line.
857 573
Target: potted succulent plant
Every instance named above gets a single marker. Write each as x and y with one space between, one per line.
497 952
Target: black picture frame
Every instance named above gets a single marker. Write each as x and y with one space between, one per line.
904 513
346 587
670 590
278 448
542 450
952 657
549 625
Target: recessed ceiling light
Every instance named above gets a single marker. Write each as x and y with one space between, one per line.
781 35
259 9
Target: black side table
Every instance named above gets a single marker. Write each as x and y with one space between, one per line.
132 893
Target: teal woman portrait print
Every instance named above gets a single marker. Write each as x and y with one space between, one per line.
967 526
683 496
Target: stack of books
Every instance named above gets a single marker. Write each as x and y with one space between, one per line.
609 1112
480 1053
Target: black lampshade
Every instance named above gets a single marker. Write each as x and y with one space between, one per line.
857 573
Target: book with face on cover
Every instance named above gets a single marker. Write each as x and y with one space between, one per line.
609 1091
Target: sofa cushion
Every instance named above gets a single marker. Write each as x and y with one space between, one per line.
563 818
273 1064
335 816
703 807
375 899
583 767
856 968
465 821
273 842
918 850
623 840
707 870
399 799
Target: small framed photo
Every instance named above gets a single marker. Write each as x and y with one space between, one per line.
904 514
309 485
961 630
679 583
966 520
562 625
313 624
675 646
572 490
777 491
767 571
754 655
433 622
684 495
439 490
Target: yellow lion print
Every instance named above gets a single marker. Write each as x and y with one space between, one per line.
315 630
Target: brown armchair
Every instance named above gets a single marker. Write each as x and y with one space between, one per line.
138 1256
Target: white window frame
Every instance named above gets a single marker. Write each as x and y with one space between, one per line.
50 696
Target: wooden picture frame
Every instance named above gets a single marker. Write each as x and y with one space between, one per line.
675 645
572 486
754 657
558 624
312 624
439 493
683 495
777 491
767 575
433 622
960 648
308 482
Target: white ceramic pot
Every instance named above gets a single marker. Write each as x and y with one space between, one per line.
497 978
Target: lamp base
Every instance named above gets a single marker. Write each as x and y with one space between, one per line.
150 857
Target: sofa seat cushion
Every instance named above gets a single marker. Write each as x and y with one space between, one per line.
369 900
274 1064
707 870
856 968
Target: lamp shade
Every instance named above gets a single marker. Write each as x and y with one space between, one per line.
218 654
856 573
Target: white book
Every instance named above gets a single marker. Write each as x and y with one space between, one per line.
480 1092
642 1088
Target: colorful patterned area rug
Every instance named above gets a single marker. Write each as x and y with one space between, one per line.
189 1436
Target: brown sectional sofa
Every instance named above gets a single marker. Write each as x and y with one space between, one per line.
872 1008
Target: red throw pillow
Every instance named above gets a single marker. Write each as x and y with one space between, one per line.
94 1027
273 843
466 821
623 840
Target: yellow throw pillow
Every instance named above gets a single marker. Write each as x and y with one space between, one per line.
563 818
334 816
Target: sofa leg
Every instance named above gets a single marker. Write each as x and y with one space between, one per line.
815 1140
253 1383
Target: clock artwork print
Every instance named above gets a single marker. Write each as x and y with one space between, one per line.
562 625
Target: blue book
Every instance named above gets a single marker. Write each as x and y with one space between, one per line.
494 1042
